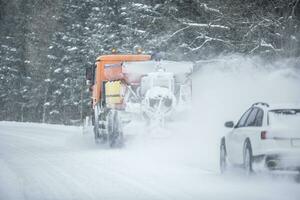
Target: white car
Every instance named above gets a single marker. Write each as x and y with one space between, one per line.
264 133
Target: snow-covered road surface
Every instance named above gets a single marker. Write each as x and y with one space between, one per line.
40 161
56 162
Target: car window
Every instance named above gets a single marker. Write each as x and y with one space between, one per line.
285 118
252 116
243 119
259 117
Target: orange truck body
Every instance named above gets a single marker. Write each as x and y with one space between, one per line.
109 68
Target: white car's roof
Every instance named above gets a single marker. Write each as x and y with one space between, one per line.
284 106
279 106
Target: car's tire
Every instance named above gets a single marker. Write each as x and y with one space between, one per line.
248 158
223 157
297 178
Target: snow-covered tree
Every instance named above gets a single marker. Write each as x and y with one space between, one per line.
45 45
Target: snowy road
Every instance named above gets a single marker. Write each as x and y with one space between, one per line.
52 162
39 161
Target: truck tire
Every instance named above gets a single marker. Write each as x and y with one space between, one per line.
96 129
115 133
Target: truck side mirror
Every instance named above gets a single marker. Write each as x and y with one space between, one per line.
88 73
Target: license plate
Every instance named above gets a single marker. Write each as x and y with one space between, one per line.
296 142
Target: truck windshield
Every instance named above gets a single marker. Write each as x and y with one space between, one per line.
286 118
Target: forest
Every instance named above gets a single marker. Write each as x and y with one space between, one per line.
45 45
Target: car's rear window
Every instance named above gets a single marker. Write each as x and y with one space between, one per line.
288 118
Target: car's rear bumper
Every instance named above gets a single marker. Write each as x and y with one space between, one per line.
283 161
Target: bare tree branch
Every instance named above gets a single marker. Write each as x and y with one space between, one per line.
178 31
294 8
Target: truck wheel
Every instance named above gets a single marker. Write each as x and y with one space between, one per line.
110 127
118 131
223 157
248 158
96 129
96 134
115 133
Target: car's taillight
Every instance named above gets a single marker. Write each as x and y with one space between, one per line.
263 135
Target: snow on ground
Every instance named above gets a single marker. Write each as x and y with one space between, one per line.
39 161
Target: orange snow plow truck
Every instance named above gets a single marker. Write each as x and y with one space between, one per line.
134 85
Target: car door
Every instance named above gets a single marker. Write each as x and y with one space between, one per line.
233 138
248 131
256 129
